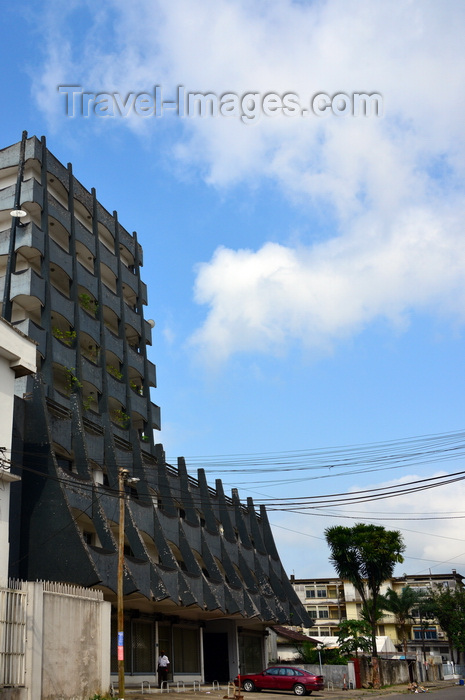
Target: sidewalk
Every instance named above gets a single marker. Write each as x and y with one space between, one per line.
207 692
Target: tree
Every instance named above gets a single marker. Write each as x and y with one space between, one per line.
354 635
309 654
448 606
366 556
401 605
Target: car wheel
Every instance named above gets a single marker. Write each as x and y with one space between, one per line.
299 689
248 686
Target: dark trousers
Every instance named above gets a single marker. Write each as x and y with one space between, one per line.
162 675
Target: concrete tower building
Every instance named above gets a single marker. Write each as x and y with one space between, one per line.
202 577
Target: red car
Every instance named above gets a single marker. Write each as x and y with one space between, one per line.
282 678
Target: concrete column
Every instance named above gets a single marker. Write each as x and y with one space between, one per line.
34 639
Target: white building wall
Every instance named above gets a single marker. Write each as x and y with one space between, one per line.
17 358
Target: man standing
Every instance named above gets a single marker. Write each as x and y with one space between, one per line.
163 665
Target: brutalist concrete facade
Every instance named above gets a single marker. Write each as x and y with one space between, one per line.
202 575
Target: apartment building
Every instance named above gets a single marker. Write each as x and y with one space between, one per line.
329 601
202 577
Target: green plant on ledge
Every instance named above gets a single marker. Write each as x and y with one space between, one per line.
114 372
72 382
121 417
66 337
88 303
135 387
87 403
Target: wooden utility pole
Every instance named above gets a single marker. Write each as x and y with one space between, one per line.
122 476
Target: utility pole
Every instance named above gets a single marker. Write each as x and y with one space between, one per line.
422 629
123 479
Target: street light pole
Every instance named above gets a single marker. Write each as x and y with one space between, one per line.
123 479
122 476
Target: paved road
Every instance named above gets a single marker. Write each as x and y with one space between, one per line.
441 690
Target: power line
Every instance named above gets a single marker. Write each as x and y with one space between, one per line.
400 452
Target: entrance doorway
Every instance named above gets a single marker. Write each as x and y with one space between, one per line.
216 657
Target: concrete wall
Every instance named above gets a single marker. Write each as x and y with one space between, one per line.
392 671
73 632
334 675
68 643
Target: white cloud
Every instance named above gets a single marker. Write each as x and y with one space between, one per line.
259 300
393 184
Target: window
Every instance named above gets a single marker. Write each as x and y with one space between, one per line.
430 633
323 613
310 593
64 463
186 650
311 611
321 593
142 647
250 653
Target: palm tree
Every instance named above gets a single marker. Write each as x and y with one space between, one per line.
401 605
366 556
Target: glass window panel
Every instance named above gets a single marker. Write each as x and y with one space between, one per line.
250 653
143 647
186 650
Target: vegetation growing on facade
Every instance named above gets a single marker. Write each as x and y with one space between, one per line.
72 382
121 417
135 387
114 371
66 337
88 303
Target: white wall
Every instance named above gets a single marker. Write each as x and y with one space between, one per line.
17 358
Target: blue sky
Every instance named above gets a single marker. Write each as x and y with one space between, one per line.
306 274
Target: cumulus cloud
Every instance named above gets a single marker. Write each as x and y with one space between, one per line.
259 300
392 184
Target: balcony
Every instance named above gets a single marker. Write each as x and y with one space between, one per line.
85 237
156 416
34 331
92 375
136 360
27 284
63 354
116 389
132 319
114 344
89 325
139 405
108 259
58 212
29 236
87 280
61 304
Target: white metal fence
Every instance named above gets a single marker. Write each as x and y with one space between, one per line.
13 604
